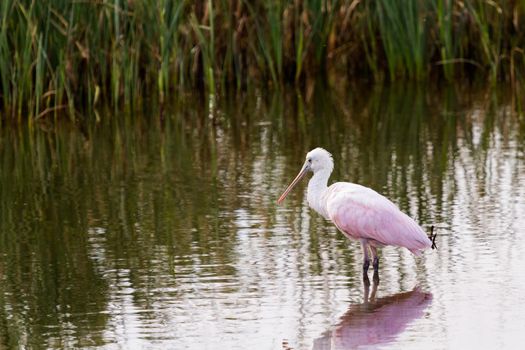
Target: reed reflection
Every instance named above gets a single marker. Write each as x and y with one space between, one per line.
376 321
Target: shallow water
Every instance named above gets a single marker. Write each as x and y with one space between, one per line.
159 228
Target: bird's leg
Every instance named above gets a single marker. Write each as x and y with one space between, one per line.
375 263
374 289
370 297
366 292
375 258
366 261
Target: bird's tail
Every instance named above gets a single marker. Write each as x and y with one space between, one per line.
432 237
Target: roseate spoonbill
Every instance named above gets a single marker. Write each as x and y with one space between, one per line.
359 212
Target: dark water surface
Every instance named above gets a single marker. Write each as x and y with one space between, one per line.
144 231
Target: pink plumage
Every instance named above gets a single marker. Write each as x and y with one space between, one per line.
362 213
359 212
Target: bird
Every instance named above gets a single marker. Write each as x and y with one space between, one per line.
359 212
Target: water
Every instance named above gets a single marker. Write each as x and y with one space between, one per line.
159 228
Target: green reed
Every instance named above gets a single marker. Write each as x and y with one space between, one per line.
447 49
73 56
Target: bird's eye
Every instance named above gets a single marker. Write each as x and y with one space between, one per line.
309 160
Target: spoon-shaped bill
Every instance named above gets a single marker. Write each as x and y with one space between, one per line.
298 178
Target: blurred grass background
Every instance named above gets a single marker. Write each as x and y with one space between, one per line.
65 56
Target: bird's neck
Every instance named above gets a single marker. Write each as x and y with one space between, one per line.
316 188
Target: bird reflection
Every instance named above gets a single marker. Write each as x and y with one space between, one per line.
375 321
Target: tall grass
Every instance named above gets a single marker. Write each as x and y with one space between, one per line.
65 55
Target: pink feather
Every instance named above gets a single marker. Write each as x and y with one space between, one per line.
362 213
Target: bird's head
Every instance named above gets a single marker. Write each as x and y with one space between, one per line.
317 159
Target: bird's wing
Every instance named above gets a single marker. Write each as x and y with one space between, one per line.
362 213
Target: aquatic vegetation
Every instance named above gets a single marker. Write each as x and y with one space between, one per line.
70 56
